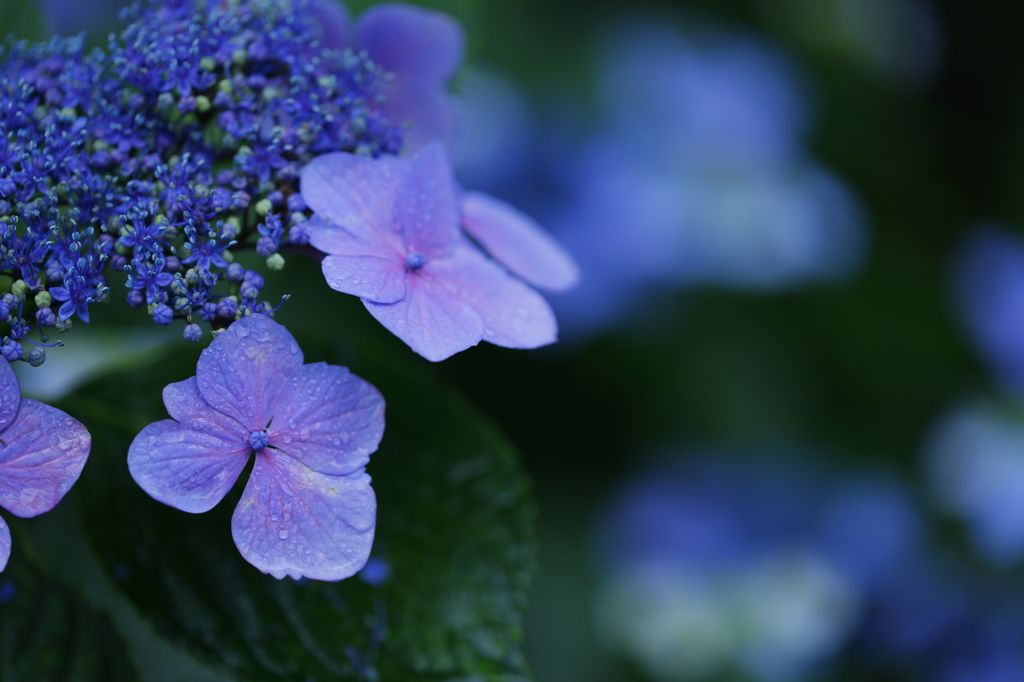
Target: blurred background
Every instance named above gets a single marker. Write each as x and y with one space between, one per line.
782 438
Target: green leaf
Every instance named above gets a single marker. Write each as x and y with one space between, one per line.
49 632
455 525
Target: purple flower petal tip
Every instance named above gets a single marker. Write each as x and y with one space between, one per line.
10 394
422 49
5 544
418 45
390 230
42 454
513 239
295 522
308 509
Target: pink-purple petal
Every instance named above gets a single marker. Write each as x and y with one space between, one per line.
293 521
5 544
513 314
330 238
427 208
381 280
328 419
44 454
185 404
10 394
429 112
355 193
518 242
433 321
239 374
186 469
416 44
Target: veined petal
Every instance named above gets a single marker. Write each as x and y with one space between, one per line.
513 314
44 454
328 419
5 544
239 374
186 469
416 44
431 319
426 207
185 404
334 240
294 521
10 394
357 194
513 239
381 280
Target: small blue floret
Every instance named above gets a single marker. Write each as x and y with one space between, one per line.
258 440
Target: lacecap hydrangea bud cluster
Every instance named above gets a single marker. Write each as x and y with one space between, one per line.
163 155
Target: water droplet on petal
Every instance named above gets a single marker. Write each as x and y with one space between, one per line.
283 534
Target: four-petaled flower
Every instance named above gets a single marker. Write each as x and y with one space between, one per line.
308 509
391 229
42 452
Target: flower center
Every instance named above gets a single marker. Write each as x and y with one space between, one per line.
415 261
258 440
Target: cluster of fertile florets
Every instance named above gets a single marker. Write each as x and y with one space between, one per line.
159 157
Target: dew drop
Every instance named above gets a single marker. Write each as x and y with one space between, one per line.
283 534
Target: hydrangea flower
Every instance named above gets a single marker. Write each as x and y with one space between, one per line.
975 463
989 286
704 138
42 452
390 228
421 48
308 509
711 567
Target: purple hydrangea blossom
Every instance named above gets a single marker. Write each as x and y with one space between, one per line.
308 509
390 228
421 48
42 452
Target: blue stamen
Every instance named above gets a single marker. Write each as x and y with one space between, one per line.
415 261
258 440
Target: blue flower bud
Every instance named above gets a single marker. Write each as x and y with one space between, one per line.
208 311
227 308
11 350
266 247
298 235
45 317
163 314
36 356
254 278
193 333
